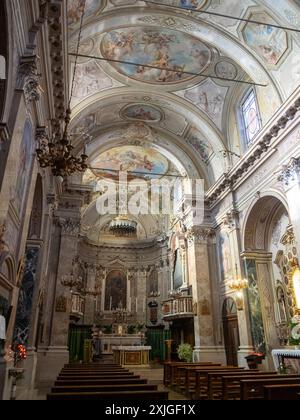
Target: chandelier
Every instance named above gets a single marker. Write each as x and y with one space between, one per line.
56 153
122 226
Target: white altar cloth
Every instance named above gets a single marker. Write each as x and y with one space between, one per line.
292 354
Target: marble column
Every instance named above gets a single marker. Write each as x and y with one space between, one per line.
55 352
199 278
141 295
290 177
231 223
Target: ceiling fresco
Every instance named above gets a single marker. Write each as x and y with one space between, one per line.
142 112
147 163
163 48
75 9
268 42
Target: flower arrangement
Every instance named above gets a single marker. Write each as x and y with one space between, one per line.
185 352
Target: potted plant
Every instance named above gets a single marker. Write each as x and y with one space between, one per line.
185 352
131 329
254 359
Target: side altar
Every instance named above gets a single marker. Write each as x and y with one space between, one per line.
106 342
132 355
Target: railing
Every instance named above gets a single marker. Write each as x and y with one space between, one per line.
77 305
178 307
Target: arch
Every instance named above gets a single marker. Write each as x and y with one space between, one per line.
257 220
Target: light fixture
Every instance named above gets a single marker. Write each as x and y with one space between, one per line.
71 280
56 152
238 285
122 226
296 286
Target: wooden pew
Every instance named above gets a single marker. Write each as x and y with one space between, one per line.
103 388
120 395
231 384
281 392
254 388
107 381
201 384
175 370
214 381
100 377
70 374
168 369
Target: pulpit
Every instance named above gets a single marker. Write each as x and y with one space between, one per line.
131 355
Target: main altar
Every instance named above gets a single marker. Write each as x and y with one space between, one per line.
132 355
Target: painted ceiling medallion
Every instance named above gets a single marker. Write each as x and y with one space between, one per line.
142 112
163 48
146 163
75 9
188 4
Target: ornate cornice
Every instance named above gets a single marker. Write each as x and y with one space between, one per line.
290 172
229 179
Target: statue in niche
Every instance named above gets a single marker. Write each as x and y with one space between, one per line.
115 290
281 304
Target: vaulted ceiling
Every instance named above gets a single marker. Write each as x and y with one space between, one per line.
183 117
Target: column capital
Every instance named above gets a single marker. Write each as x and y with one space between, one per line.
230 220
199 234
28 78
70 227
290 174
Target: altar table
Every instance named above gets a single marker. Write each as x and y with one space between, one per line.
132 355
288 357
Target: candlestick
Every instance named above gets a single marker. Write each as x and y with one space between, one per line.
110 303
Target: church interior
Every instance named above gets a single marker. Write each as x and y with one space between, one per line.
149 199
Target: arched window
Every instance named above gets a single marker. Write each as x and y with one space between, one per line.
178 271
250 117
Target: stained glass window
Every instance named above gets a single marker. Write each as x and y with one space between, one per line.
251 116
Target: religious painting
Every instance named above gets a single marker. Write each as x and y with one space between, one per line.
153 305
202 147
210 98
115 291
76 8
178 271
142 112
24 309
228 8
138 161
225 256
167 52
24 166
268 42
257 327
89 80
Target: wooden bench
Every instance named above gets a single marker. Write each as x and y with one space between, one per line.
70 374
214 381
175 371
107 381
281 392
168 368
254 388
103 388
201 384
120 395
231 384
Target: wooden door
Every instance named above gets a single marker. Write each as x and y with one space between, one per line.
231 331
